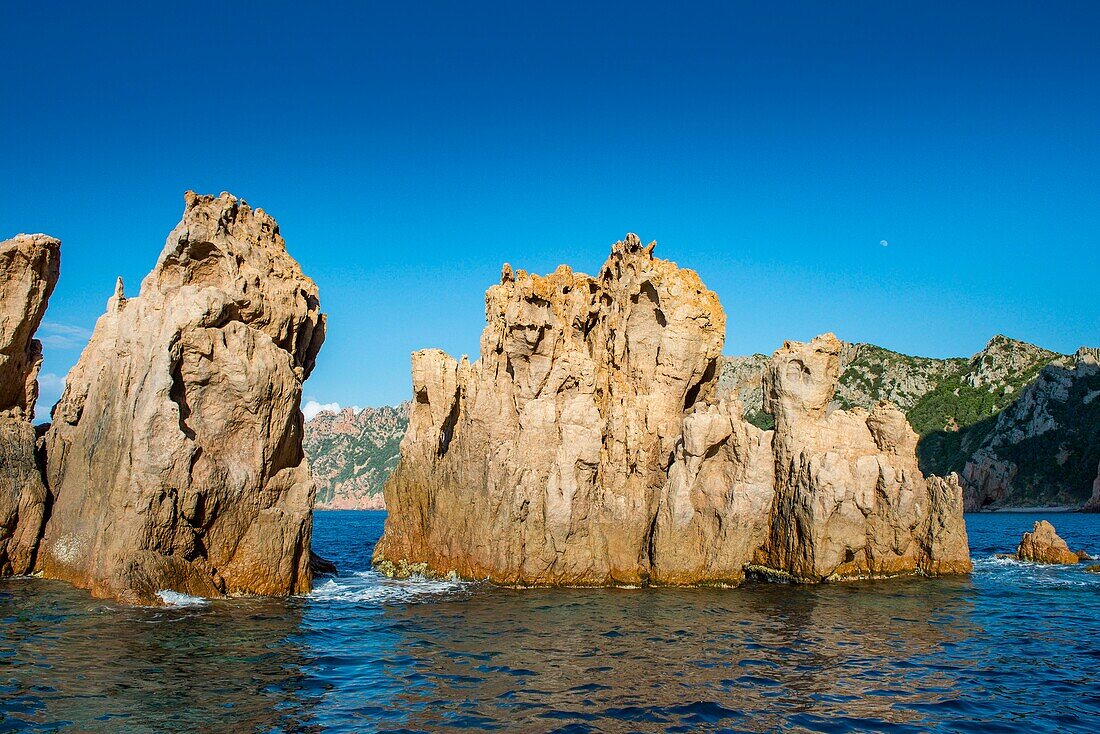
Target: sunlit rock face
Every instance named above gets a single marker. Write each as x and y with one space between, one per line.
29 268
175 458
586 446
544 461
716 507
1044 545
850 499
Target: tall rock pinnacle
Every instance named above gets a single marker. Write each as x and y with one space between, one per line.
29 268
175 457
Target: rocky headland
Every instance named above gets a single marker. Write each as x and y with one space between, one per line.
174 461
29 269
589 445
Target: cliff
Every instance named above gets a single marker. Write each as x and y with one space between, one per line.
352 454
174 461
587 445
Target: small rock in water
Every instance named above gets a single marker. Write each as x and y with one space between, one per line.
1042 545
1094 568
319 566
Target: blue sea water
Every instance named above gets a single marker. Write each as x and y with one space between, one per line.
1013 648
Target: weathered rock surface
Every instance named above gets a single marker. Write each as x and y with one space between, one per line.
1042 545
543 462
29 268
587 446
352 453
851 500
175 457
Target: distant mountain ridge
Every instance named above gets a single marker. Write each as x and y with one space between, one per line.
1018 423
352 454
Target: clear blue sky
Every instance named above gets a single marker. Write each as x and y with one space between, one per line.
408 149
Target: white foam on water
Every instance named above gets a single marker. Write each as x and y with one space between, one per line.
373 587
176 599
1040 575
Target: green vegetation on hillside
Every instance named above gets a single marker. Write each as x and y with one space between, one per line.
954 400
760 419
1053 466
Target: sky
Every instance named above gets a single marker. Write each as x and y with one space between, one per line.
919 175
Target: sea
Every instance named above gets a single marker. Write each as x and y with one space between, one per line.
1013 648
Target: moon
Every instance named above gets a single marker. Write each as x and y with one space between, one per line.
884 243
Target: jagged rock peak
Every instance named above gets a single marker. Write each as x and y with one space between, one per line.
175 456
542 462
223 242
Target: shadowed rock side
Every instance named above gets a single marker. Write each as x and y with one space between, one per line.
29 268
1093 504
175 456
587 446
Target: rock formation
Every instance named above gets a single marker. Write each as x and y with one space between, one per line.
851 501
1042 545
543 461
175 458
29 267
587 446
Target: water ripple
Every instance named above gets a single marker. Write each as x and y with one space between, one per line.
1010 649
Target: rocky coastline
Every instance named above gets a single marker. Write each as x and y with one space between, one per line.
352 452
601 438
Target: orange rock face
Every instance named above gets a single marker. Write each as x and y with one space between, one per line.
175 457
1042 545
586 446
